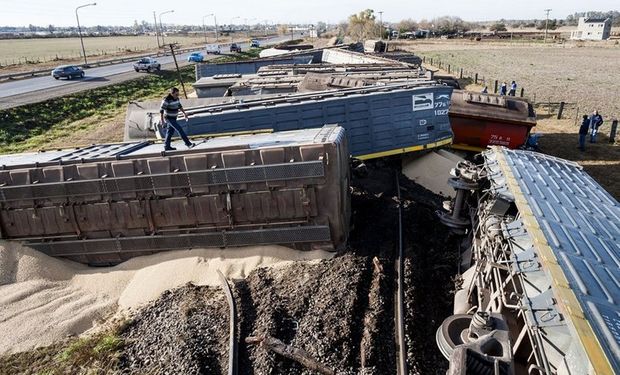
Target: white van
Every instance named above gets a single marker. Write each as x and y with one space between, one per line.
215 49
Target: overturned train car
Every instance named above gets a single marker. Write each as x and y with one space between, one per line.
379 120
103 204
540 291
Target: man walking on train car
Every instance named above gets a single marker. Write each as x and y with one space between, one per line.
170 107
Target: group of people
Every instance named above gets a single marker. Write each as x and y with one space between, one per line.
503 90
589 124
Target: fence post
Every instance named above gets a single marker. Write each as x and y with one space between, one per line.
495 90
576 115
461 73
522 91
476 79
612 133
560 110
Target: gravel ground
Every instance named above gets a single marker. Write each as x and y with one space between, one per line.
340 311
184 332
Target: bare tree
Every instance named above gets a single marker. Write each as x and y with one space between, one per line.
407 25
362 25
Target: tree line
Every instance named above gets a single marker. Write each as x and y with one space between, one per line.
365 25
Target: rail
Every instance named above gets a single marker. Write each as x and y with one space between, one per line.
42 72
399 310
232 342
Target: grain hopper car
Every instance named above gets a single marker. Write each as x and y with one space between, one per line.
539 290
379 120
106 203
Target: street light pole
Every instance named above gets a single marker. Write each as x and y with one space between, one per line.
233 31
217 34
547 23
380 25
204 27
247 25
156 30
80 29
161 28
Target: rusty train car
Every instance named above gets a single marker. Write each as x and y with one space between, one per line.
103 204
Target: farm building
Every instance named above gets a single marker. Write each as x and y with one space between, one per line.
592 29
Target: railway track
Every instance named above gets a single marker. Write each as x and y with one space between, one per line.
399 308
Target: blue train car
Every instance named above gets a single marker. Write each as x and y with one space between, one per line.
379 120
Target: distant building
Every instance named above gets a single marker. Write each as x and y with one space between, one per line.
592 29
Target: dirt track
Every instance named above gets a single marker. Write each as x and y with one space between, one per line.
340 311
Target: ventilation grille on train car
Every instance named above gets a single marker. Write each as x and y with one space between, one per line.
114 246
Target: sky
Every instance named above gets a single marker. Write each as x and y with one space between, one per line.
191 12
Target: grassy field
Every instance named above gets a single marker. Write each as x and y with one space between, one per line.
25 53
587 76
98 353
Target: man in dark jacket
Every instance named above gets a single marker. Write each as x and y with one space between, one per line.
595 122
513 89
583 132
503 89
170 107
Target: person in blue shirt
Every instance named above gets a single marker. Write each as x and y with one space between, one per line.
502 89
513 89
595 122
583 132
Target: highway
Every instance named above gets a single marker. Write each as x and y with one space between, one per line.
33 90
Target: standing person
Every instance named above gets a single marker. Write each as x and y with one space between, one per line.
170 107
595 122
513 89
502 89
583 132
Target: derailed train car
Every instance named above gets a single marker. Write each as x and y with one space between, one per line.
379 120
104 204
540 289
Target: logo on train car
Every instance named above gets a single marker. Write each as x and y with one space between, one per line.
423 101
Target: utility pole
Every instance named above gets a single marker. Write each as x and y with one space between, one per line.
204 27
380 25
174 57
161 27
547 23
156 30
80 29
217 34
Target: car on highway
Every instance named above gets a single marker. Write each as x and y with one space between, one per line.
255 43
195 57
68 72
215 49
147 63
235 48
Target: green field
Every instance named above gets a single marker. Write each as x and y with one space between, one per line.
20 51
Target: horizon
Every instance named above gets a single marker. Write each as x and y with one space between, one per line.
106 13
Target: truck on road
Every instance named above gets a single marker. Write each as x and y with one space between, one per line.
147 63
